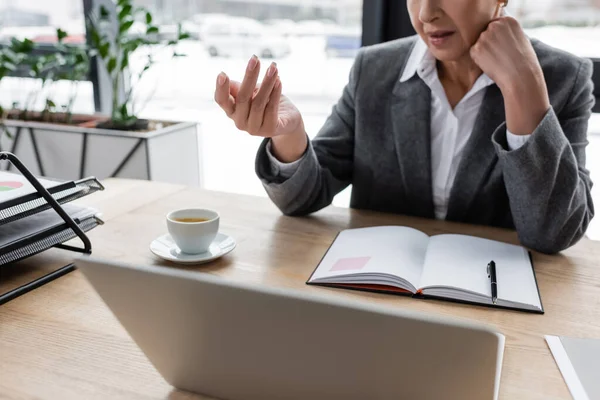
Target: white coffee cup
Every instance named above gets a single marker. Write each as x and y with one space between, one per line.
193 237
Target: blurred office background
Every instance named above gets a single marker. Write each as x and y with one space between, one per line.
313 42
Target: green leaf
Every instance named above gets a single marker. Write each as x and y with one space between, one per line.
50 104
9 66
80 58
151 30
124 26
125 12
183 36
104 14
125 61
23 47
80 72
28 44
148 18
60 34
9 54
96 39
131 120
116 116
111 65
103 49
122 3
59 59
123 111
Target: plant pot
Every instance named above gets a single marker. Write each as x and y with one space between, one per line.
138 125
169 153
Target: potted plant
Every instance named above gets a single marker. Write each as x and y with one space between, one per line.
67 63
63 145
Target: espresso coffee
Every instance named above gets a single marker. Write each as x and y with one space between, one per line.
193 229
191 220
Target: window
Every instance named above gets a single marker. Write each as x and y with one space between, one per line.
217 29
312 41
38 21
573 26
570 25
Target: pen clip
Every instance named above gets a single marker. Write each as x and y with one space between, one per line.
488 271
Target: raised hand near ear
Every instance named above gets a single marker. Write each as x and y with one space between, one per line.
506 55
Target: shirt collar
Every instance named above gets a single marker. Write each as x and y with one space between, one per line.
423 63
418 58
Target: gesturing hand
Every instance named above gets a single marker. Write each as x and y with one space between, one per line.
260 110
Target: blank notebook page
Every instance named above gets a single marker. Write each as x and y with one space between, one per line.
461 262
393 250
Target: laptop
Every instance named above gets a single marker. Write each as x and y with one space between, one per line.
233 340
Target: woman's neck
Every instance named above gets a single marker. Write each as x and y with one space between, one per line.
457 78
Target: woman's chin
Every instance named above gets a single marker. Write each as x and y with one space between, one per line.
448 54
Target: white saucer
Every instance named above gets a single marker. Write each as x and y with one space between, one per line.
165 248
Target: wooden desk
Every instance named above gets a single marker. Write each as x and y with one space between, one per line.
60 341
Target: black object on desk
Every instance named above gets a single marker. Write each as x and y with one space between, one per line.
38 201
491 269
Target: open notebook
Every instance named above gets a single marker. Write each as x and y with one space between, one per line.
452 267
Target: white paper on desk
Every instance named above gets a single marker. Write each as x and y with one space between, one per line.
17 230
13 186
579 364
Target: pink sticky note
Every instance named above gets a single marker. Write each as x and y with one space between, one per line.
350 264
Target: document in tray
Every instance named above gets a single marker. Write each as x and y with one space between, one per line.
403 260
579 364
13 186
20 230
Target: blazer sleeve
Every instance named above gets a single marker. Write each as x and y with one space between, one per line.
548 186
327 166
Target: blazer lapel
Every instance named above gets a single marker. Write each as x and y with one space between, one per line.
479 156
411 115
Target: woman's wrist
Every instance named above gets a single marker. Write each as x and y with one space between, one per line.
289 147
526 103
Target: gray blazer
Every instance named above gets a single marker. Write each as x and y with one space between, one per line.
378 140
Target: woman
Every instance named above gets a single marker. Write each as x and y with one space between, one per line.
468 121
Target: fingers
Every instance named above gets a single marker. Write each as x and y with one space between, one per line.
246 91
254 108
223 95
234 88
261 99
271 115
